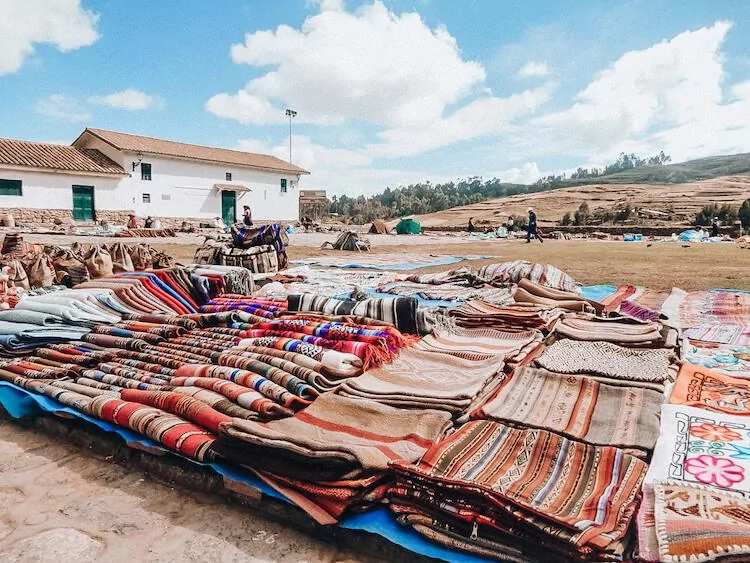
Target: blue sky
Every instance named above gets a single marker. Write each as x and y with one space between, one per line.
387 92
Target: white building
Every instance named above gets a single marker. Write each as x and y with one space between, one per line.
107 175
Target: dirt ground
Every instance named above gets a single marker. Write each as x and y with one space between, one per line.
654 264
59 504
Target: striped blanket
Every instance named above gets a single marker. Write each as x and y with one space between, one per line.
513 272
480 344
401 312
578 407
542 493
694 308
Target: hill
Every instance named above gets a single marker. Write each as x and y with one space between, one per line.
679 202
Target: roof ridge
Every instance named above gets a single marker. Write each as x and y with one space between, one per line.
163 140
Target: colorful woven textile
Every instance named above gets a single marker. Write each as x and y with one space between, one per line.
606 359
243 396
420 379
725 358
697 386
583 494
172 431
699 446
448 292
694 308
700 523
578 407
266 387
401 312
513 272
334 438
218 402
738 335
636 311
180 404
610 296
477 344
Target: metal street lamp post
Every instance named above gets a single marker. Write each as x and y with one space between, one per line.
290 114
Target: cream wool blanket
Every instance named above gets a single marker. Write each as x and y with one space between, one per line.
419 379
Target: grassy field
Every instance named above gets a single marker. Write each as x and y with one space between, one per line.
657 265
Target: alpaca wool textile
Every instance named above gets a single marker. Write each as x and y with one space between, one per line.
531 293
618 331
635 311
477 314
606 359
548 482
317 353
476 344
401 312
699 446
700 387
245 397
249 377
171 431
334 438
327 501
218 402
448 292
392 261
577 407
513 272
245 360
419 379
699 523
181 405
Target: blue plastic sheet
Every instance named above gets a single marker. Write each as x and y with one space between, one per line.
596 292
20 403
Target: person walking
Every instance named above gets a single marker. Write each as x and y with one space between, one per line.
532 228
247 216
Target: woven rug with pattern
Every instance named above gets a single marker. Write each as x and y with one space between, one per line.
573 497
480 344
578 407
421 379
606 359
697 386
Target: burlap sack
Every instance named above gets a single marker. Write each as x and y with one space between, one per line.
142 257
121 260
17 276
40 270
70 269
99 262
163 261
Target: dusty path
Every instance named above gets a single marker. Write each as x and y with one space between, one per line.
58 504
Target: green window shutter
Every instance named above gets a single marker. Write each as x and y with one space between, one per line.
283 185
11 187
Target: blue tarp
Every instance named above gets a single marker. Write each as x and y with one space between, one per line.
20 403
596 292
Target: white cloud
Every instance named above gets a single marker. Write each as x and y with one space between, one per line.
130 99
61 107
533 69
372 65
674 85
482 117
309 155
24 24
528 173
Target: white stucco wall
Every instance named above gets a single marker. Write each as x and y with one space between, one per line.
184 188
181 188
50 190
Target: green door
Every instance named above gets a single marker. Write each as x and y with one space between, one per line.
83 203
229 207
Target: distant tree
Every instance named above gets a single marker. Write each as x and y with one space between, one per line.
581 216
567 219
744 214
625 213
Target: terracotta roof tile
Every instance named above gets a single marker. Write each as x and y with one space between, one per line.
56 157
150 145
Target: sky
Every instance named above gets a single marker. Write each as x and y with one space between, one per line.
387 92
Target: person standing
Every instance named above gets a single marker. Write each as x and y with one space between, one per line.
715 228
532 228
247 216
471 228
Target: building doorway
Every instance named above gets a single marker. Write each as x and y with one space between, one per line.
229 207
83 203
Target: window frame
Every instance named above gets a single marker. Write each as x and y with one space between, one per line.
16 183
284 186
228 176
145 198
143 172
